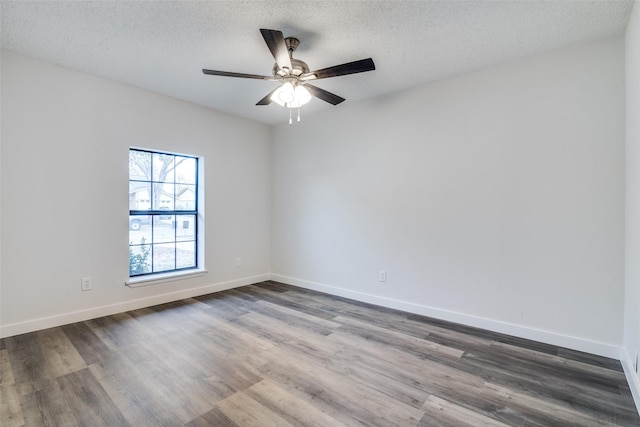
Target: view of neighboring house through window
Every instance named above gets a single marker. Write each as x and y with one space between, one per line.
163 206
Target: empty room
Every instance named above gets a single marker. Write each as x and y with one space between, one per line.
320 213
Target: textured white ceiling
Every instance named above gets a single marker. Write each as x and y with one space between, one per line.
163 45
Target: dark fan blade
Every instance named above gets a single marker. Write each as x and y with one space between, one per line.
267 99
230 74
324 95
277 46
342 70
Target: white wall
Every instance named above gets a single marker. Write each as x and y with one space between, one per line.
495 199
65 141
631 343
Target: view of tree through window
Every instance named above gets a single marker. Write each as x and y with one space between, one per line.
163 205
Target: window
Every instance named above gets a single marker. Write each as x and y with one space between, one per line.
163 212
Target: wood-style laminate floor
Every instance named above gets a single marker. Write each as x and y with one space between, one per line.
275 355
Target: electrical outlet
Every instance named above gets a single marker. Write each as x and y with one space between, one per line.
238 262
382 276
85 284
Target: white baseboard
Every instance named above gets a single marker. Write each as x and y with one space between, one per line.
106 310
580 344
632 376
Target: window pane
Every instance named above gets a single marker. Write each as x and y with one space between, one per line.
185 227
186 170
139 195
163 196
139 165
140 226
186 254
185 197
164 257
139 259
163 167
163 230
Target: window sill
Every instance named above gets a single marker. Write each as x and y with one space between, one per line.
136 282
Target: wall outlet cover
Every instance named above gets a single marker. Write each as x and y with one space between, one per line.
85 284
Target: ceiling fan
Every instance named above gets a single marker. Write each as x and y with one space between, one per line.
294 75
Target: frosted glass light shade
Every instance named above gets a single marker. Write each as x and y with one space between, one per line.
286 93
302 95
276 98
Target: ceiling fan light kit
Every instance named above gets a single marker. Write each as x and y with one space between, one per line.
294 75
291 96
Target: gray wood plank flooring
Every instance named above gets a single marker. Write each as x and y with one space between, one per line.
275 355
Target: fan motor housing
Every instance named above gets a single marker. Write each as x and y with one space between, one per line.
298 67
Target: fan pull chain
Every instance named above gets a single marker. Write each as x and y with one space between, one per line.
298 115
290 121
